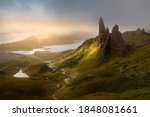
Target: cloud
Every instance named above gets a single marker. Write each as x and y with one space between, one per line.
134 13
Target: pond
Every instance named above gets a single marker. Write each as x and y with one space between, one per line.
20 74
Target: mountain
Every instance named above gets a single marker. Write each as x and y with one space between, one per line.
39 41
109 66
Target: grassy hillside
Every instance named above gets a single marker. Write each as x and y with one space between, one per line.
136 38
36 87
79 74
114 78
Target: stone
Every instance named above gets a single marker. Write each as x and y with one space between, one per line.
140 31
109 41
117 41
143 30
101 26
45 68
105 44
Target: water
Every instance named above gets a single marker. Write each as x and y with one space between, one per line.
53 48
20 74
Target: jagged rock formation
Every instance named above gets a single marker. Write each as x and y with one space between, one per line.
109 41
140 31
104 43
116 38
101 26
44 68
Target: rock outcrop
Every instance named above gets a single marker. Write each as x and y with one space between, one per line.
109 41
116 41
45 68
101 26
104 44
140 31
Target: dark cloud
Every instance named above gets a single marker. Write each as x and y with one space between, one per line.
122 12
131 12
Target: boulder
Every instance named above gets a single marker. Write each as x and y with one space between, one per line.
45 68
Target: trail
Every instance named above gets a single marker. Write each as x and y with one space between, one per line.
63 72
69 78
54 97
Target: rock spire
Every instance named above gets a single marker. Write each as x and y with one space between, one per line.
116 41
101 26
109 41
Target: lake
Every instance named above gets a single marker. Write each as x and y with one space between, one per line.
52 48
20 74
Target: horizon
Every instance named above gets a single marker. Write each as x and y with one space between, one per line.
22 19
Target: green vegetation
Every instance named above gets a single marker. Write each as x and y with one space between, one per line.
36 87
14 88
136 38
114 78
79 74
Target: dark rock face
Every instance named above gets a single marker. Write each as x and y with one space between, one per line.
105 44
140 31
116 38
143 30
101 26
109 41
45 68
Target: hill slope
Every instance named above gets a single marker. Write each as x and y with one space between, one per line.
39 41
114 78
79 74
137 38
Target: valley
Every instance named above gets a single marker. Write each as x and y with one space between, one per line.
108 66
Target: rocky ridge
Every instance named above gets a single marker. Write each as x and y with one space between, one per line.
109 41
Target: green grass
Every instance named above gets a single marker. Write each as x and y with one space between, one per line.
36 87
136 39
114 77
46 56
12 88
139 94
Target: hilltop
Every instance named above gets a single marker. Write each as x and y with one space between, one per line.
137 38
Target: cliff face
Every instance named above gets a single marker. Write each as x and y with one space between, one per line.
101 26
117 41
109 41
104 43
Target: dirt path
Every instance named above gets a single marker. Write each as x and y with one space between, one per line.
61 88
54 97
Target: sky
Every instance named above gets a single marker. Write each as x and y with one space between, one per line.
22 18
